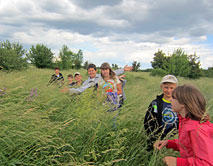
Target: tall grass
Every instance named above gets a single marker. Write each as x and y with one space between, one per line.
54 128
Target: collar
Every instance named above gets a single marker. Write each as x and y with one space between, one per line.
166 101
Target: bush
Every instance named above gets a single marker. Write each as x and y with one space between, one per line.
9 60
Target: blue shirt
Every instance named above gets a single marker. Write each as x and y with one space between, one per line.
169 118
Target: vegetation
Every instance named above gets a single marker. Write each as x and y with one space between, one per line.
178 64
40 56
135 65
47 127
12 56
69 59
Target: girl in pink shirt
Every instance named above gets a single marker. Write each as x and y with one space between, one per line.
195 141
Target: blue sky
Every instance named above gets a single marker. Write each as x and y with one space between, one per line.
114 31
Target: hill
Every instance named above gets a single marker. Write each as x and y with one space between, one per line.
41 126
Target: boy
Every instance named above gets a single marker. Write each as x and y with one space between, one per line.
57 77
70 80
160 119
78 79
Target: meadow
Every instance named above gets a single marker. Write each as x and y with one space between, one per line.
54 128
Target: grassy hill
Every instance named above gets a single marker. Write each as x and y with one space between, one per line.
53 128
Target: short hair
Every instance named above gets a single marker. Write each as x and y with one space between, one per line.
57 68
91 66
70 75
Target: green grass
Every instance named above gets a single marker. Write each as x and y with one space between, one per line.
58 129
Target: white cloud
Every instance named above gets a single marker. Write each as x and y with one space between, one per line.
116 31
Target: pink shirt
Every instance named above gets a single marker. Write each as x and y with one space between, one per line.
195 143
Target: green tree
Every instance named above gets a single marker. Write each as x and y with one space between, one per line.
135 65
16 47
40 56
78 59
66 58
86 63
178 64
194 62
115 66
159 59
12 56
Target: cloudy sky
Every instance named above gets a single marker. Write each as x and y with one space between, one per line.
115 31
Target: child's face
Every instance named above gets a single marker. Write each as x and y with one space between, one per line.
57 71
105 72
69 79
78 77
167 89
92 72
176 106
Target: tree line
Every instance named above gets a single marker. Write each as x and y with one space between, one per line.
179 63
14 57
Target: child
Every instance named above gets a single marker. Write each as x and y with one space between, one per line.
160 119
70 80
111 85
195 141
57 77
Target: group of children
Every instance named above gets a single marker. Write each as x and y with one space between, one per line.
111 82
59 79
179 109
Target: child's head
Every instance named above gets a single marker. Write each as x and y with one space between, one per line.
168 84
106 70
192 100
91 69
57 70
70 77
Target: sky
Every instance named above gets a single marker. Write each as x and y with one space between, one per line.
114 31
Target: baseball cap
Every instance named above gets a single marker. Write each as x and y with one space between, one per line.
77 73
169 78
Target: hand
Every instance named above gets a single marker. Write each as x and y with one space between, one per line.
170 161
121 77
160 144
128 68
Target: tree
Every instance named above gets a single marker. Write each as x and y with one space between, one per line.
86 64
69 59
16 47
40 56
159 59
195 66
78 59
178 64
135 65
66 58
115 66
12 56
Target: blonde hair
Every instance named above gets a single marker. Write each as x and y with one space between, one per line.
193 100
105 66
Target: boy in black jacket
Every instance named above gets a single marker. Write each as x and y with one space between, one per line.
57 77
160 119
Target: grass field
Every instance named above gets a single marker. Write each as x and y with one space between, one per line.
54 128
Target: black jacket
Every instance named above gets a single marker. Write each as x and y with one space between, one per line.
55 79
153 120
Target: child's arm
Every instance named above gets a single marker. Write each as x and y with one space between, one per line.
173 144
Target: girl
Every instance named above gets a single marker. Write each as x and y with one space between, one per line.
111 85
195 141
